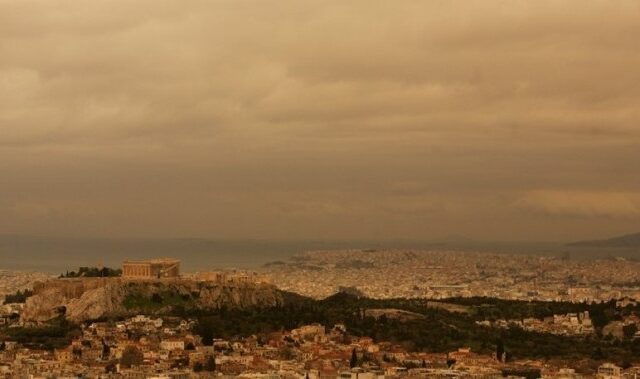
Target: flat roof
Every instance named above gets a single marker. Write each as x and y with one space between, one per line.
153 261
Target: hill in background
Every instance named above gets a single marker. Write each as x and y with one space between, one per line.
626 241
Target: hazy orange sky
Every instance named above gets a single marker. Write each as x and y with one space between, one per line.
513 120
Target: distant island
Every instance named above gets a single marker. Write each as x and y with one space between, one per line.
625 241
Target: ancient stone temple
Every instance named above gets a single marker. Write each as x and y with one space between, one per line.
150 269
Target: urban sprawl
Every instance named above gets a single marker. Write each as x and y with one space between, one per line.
161 346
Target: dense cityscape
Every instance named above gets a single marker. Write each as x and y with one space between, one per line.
160 344
443 274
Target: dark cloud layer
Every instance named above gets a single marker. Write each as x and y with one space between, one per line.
288 119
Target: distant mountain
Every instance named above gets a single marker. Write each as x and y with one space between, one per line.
626 241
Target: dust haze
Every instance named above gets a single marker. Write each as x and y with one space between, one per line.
320 119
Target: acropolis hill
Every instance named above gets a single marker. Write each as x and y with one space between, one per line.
81 299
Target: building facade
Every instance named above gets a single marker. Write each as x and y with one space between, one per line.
151 269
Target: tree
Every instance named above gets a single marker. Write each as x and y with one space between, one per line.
18 297
598 354
131 356
507 357
287 353
499 350
106 351
354 359
629 330
111 368
210 364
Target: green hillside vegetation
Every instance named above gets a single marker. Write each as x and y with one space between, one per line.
93 272
158 301
438 331
18 297
56 333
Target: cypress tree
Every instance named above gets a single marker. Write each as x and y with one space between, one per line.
210 365
499 350
354 359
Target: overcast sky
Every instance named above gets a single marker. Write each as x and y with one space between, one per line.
511 120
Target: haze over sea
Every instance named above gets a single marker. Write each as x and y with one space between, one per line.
56 255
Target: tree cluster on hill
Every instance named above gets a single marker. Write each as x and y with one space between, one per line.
493 309
438 331
18 297
93 272
131 356
56 333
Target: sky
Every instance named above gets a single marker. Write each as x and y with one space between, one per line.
492 120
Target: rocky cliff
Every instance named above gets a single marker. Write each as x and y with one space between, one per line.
82 299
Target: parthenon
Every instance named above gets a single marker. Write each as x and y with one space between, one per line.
154 268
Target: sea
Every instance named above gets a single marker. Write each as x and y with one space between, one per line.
58 255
